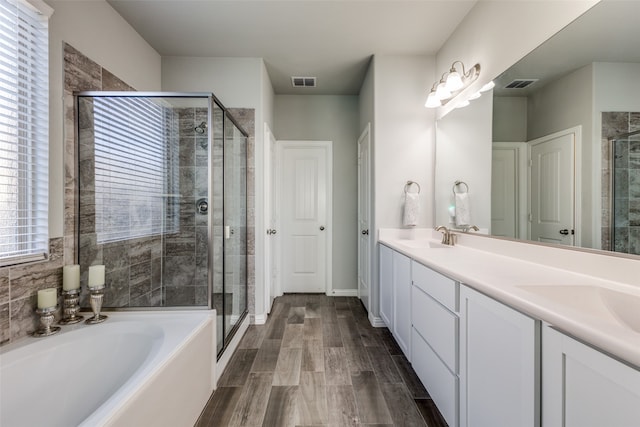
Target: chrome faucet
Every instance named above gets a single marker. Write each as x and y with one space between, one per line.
470 227
447 237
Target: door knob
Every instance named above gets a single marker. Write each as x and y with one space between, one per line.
365 232
564 232
322 228
271 231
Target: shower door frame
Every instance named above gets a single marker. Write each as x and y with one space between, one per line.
211 101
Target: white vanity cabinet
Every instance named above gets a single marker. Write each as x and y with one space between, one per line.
395 296
499 364
434 345
385 279
582 387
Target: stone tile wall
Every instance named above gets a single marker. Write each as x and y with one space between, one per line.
19 284
626 171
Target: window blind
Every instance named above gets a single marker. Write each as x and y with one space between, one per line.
136 142
24 137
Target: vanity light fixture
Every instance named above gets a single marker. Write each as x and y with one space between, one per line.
488 86
451 84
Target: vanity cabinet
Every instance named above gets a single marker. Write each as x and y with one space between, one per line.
499 366
583 387
385 279
435 334
395 296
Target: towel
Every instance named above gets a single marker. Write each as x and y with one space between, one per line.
463 209
411 209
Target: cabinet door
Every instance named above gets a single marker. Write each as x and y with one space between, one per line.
499 369
582 387
402 302
386 285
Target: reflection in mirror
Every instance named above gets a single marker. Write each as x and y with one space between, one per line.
558 114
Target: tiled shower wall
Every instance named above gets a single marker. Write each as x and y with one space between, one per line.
626 217
19 284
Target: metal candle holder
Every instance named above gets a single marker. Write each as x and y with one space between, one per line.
46 320
97 295
71 307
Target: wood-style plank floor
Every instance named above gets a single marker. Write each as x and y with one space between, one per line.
319 362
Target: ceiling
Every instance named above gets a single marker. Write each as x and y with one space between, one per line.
332 40
608 32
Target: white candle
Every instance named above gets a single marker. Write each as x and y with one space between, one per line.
70 277
96 276
48 298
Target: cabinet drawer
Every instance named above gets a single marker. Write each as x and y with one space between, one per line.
439 287
441 383
437 325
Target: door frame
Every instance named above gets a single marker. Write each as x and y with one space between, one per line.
278 169
577 178
270 256
366 135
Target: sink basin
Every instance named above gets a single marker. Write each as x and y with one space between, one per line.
420 244
621 307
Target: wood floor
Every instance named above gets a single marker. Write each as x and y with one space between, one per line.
318 362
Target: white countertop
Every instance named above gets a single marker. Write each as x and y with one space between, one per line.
593 309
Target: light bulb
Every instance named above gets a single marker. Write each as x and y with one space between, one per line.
432 100
488 86
454 81
442 92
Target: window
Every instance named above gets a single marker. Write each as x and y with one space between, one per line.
24 136
136 166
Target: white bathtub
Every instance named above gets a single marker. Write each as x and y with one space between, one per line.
135 369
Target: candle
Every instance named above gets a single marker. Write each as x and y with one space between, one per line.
70 277
47 298
96 276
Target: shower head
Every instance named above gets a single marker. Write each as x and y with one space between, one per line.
201 128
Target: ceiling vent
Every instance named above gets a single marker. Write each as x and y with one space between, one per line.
303 81
520 83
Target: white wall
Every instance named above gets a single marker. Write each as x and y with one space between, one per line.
404 137
463 153
496 34
96 30
237 83
509 119
330 118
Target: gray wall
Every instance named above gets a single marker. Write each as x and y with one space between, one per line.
330 118
509 119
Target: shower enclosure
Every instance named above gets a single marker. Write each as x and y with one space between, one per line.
625 192
163 202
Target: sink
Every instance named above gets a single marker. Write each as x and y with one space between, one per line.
420 244
621 307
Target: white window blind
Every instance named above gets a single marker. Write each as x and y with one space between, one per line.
24 137
136 142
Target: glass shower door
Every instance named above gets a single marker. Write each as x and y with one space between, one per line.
235 225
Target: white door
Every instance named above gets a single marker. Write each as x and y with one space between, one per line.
304 215
271 252
552 200
508 189
364 251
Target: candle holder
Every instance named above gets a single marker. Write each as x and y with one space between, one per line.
46 320
70 307
97 295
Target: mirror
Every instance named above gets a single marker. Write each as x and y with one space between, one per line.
566 102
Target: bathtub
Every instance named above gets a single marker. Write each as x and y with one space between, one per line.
135 369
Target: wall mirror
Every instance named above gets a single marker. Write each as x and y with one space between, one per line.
565 158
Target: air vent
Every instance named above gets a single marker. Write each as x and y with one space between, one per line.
520 83
303 81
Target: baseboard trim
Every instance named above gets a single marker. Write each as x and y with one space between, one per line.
344 293
377 322
259 319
